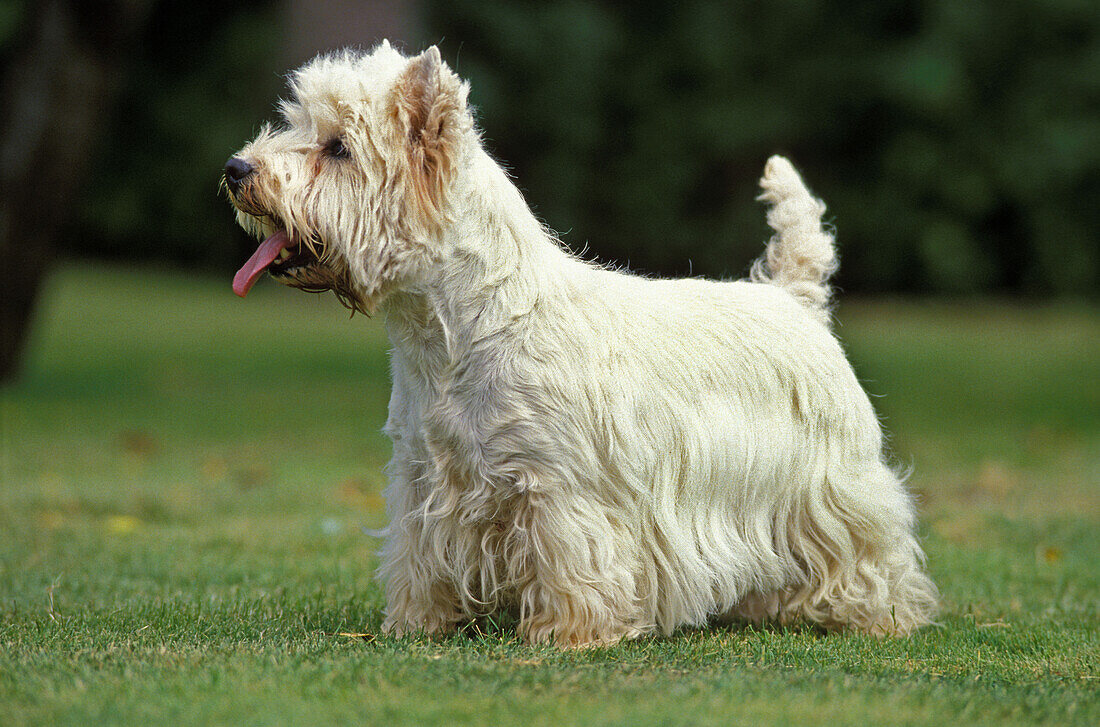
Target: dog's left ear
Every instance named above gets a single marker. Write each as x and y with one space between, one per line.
430 105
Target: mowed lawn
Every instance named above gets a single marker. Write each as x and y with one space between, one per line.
186 478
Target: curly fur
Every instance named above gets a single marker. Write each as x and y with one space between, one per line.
610 455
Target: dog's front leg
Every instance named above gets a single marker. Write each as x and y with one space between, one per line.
580 589
418 597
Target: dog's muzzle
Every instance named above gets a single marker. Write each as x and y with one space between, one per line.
237 170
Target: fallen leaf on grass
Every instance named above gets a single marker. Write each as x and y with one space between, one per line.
961 529
351 635
50 519
1048 554
215 469
996 479
122 524
138 443
247 478
359 493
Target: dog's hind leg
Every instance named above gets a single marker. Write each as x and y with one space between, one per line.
861 566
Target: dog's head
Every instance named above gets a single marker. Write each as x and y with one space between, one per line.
351 191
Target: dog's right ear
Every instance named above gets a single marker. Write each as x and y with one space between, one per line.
430 106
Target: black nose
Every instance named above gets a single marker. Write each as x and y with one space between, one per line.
236 171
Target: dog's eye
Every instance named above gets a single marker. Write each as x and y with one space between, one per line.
335 149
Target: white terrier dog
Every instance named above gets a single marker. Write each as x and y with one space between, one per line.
610 455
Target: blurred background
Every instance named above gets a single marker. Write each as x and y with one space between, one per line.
957 144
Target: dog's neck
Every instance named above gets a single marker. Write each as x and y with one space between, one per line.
496 264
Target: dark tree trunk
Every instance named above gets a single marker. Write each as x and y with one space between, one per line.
57 85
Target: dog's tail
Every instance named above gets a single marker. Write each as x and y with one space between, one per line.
801 255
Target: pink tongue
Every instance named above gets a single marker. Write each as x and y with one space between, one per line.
265 254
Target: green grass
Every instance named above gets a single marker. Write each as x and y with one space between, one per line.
186 476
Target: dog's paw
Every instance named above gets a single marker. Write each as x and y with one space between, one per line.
426 626
577 636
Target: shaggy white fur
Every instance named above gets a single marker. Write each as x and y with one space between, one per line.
610 455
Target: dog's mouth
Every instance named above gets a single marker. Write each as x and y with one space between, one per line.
300 262
279 255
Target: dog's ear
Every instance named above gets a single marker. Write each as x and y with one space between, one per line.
430 105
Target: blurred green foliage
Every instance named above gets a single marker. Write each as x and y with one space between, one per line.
957 144
199 84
